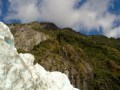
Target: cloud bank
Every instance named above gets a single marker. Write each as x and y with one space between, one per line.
91 15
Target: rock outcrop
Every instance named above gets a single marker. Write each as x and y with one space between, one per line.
27 38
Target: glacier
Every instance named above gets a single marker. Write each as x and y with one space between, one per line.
17 71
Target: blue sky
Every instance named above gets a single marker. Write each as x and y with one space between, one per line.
85 16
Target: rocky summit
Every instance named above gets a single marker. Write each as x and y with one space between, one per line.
90 62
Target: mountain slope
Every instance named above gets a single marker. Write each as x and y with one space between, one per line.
91 62
17 71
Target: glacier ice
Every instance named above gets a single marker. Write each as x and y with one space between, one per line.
17 71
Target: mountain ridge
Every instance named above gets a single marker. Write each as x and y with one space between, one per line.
93 61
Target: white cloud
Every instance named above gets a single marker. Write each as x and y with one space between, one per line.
23 10
91 15
114 32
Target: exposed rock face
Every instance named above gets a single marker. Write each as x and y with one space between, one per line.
64 61
17 71
27 38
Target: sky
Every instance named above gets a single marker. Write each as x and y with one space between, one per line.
85 16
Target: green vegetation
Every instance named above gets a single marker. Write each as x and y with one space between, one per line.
68 46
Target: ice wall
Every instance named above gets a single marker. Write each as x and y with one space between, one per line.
17 71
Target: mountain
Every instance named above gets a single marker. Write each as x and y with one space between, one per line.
90 62
17 71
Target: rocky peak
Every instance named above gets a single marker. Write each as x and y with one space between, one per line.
49 26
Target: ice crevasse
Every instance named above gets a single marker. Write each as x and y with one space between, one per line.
17 71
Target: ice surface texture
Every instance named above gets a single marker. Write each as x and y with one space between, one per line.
17 71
